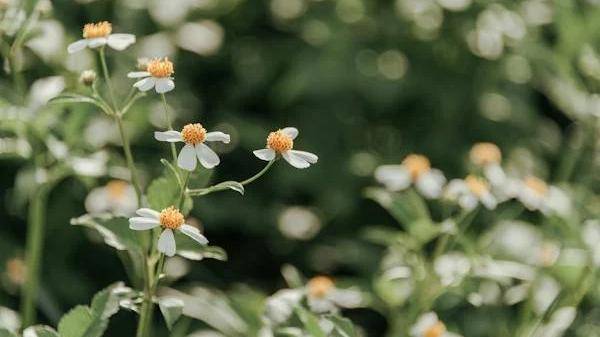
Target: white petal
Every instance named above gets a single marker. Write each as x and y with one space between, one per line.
488 201
430 184
166 242
193 233
265 154
187 158
77 46
97 42
164 85
394 177
467 201
295 160
217 136
170 136
309 157
138 74
290 132
147 213
208 158
145 84
120 41
140 223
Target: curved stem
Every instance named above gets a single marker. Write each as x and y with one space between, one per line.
222 186
129 158
259 174
170 125
111 92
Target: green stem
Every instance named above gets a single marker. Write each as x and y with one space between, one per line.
183 188
146 312
218 187
35 242
111 92
259 174
129 158
170 125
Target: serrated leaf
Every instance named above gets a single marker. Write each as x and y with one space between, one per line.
40 331
171 309
310 322
76 322
192 250
114 230
164 192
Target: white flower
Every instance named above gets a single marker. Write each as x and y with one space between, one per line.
535 194
194 136
471 191
415 169
170 219
157 75
428 325
282 142
280 306
117 197
323 296
99 34
451 268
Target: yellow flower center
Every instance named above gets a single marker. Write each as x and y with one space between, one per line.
537 185
160 68
279 141
171 218
320 286
193 134
485 153
416 165
436 330
99 29
116 189
476 185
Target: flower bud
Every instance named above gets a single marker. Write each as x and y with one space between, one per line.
87 77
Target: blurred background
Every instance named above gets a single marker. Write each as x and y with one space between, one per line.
366 82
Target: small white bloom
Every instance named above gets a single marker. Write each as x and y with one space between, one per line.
117 197
280 306
451 268
170 219
194 136
157 75
415 169
471 191
535 194
98 34
429 325
282 142
323 296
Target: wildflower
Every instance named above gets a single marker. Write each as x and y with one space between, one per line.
470 191
87 77
488 156
194 136
451 268
428 325
282 142
415 169
99 34
169 219
157 75
117 197
323 296
536 194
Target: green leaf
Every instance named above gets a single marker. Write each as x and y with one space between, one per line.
232 185
192 250
310 322
40 331
164 192
6 333
69 98
114 230
171 309
342 325
76 322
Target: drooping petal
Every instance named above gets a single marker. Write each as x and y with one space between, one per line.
217 136
96 42
309 157
265 154
193 233
166 243
208 158
170 136
187 158
393 177
147 213
164 85
145 84
120 41
138 74
141 223
77 46
295 160
290 132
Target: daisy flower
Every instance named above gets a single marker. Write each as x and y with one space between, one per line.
471 191
323 296
98 34
282 142
194 136
415 169
117 197
157 75
535 194
170 219
428 325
